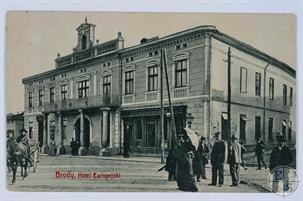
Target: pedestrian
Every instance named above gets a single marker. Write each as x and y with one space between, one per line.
171 163
73 147
260 147
77 147
200 160
280 158
242 155
234 159
217 160
53 148
22 138
184 171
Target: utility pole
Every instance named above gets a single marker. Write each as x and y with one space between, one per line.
173 125
162 108
228 94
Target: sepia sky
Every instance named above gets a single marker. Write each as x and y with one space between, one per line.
33 39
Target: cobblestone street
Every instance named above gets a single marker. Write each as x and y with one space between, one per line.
135 174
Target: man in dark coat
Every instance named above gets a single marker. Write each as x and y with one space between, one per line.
184 172
217 160
260 153
280 158
22 138
200 160
73 147
170 165
234 159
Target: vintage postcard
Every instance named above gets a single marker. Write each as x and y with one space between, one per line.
151 102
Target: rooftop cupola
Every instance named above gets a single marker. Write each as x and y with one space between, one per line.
86 35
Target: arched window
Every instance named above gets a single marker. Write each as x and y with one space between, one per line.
83 42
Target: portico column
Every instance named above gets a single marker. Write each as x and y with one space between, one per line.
45 130
104 128
81 127
82 149
60 128
61 146
45 134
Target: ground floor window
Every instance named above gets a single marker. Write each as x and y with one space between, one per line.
289 130
270 129
243 119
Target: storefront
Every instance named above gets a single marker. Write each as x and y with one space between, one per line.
142 129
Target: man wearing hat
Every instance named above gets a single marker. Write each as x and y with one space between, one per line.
24 140
200 160
217 160
234 159
281 156
260 146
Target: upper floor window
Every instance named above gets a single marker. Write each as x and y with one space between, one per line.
107 86
83 89
51 94
30 99
41 94
271 88
152 78
63 92
243 80
290 96
258 84
129 82
284 94
181 73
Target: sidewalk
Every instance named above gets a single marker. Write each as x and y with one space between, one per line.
251 175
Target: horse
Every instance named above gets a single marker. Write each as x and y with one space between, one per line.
17 156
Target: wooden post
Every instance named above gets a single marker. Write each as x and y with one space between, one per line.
228 94
173 125
162 109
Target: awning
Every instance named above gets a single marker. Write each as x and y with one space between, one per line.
284 123
244 118
224 116
193 137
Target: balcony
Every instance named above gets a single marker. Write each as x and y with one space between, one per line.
152 96
81 103
128 99
182 92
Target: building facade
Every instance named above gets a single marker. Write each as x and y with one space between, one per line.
14 123
108 96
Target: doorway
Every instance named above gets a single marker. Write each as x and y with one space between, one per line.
40 133
86 134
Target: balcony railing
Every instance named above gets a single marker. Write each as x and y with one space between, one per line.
81 103
180 92
128 99
152 96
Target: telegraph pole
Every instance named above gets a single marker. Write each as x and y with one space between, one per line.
162 109
173 125
228 94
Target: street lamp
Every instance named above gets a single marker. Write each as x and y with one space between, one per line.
189 119
52 132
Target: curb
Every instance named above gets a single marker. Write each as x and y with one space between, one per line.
109 158
262 188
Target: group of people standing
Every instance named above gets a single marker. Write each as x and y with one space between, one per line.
186 163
